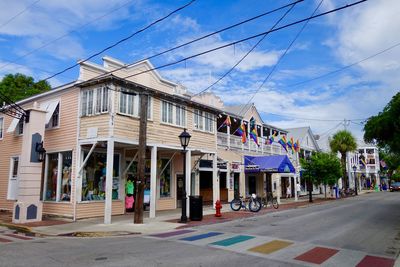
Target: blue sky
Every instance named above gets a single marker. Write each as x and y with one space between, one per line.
82 28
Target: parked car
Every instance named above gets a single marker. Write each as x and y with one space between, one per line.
394 187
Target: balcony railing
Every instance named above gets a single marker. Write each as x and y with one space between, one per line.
235 142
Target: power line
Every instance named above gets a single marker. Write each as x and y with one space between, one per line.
345 67
122 40
282 56
245 39
251 50
18 14
64 35
196 39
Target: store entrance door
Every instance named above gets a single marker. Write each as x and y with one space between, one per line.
179 190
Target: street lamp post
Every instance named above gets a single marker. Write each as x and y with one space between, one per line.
184 137
355 179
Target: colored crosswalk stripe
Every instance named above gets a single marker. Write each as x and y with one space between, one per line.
233 240
317 255
373 261
202 236
170 234
270 247
18 236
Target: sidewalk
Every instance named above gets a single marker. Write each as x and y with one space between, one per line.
164 221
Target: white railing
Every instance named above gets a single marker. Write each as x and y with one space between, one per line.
235 142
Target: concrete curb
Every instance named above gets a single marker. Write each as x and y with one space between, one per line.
21 228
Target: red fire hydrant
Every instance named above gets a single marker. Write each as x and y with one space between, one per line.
218 207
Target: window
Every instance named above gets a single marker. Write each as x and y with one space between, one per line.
203 121
12 192
94 101
128 104
57 185
1 127
94 177
165 178
20 127
54 120
173 114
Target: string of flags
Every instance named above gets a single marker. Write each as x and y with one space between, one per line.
253 134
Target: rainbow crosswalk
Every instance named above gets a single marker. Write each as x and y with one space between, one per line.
278 249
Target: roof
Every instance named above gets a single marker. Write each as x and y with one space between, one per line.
300 133
238 110
274 163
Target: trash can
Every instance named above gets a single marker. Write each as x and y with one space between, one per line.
196 208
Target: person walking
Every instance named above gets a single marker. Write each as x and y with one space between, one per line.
298 189
288 192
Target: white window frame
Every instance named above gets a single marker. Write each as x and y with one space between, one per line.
91 104
13 178
132 111
1 128
203 121
59 176
51 124
171 116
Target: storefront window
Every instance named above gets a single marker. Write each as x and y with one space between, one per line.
66 176
94 177
52 177
165 178
58 177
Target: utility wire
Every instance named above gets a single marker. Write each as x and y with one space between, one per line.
251 50
281 57
18 14
198 39
345 67
122 40
64 35
246 39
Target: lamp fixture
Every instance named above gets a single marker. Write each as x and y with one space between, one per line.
41 151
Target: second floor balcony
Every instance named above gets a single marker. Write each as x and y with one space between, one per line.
235 143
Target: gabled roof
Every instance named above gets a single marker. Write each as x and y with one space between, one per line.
300 133
238 110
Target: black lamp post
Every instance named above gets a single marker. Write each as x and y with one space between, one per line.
184 137
355 178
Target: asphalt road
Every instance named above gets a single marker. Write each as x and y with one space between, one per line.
367 224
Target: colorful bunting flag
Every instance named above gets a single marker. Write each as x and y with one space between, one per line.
227 122
297 146
292 142
283 142
362 161
271 139
242 132
253 135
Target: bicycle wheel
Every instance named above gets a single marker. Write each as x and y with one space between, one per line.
236 204
254 205
275 203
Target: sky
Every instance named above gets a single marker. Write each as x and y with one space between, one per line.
342 66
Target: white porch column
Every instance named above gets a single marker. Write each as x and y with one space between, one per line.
109 181
153 182
215 180
279 189
228 132
297 176
188 178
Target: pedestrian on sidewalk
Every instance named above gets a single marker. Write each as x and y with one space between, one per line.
298 189
288 192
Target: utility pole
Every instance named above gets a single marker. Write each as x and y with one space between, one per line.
138 218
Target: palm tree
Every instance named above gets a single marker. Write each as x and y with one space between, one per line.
343 142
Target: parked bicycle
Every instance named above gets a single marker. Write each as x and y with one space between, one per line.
252 203
269 201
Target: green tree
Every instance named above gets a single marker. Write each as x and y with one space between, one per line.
321 168
343 142
392 161
384 128
19 86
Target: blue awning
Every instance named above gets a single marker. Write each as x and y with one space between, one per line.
275 163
